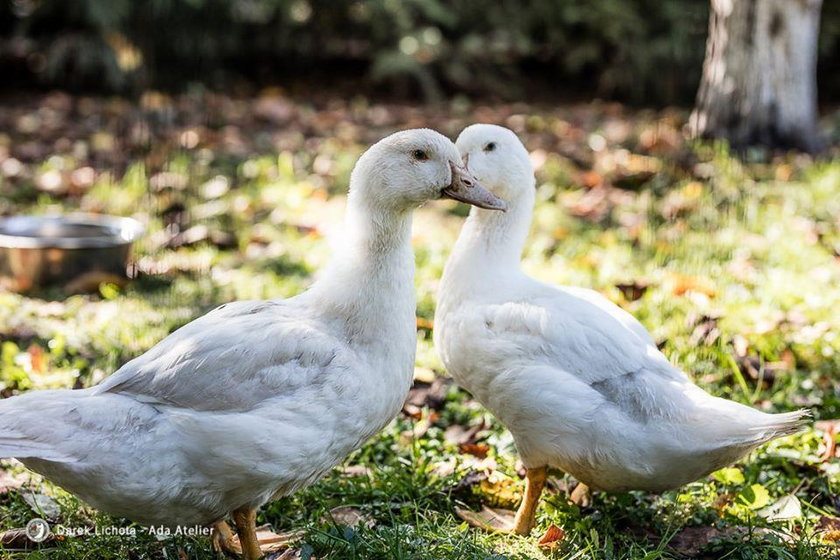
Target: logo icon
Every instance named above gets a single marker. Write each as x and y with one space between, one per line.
37 530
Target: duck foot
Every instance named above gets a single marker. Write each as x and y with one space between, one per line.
224 539
581 496
505 521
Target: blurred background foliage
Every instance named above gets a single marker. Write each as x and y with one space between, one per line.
632 50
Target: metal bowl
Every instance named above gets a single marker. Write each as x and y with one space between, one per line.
37 251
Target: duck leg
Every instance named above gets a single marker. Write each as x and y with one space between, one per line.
246 527
526 518
581 495
505 521
223 539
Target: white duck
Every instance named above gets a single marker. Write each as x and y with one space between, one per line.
577 380
256 398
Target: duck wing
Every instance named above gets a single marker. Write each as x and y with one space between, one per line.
603 358
578 331
230 359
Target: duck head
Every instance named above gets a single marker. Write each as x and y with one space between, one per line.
411 167
497 158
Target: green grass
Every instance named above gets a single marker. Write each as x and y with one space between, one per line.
739 260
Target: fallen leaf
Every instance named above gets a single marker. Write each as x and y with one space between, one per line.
9 481
682 284
722 501
829 441
827 424
592 205
37 358
488 519
552 538
270 542
633 291
199 234
424 374
692 540
288 554
784 172
89 282
500 490
424 394
787 507
17 539
591 179
475 449
357 470
424 422
706 333
468 481
423 323
42 505
829 528
348 516
458 434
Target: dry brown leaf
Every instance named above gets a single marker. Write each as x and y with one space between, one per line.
829 443
90 281
552 538
424 394
593 205
269 540
500 490
475 449
633 291
468 481
9 481
488 519
829 528
692 540
722 501
17 539
458 434
357 470
788 359
423 323
784 172
682 283
827 424
37 358
705 333
349 516
288 554
591 179
42 505
424 374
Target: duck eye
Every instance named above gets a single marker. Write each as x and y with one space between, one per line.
420 155
490 147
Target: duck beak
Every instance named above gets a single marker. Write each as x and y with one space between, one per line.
466 188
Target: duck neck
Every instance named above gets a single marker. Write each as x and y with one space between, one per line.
490 244
369 284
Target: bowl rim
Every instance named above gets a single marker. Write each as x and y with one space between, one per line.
130 229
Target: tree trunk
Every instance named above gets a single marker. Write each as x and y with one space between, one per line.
759 81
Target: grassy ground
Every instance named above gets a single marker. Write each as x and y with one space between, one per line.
733 266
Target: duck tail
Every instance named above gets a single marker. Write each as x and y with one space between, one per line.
18 447
19 437
785 424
